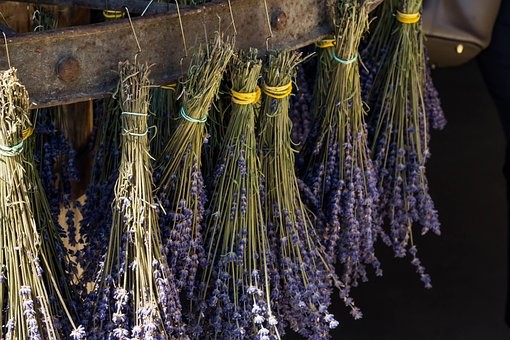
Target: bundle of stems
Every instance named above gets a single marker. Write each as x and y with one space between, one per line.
306 273
181 188
32 303
401 135
60 264
340 171
164 106
97 216
375 56
375 48
235 294
135 293
300 113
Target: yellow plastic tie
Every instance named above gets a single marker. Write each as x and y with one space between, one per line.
278 92
27 133
171 87
245 98
325 43
113 14
406 18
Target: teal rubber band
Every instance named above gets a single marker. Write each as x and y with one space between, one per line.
11 151
345 62
191 119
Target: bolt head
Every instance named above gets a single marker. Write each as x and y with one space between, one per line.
68 69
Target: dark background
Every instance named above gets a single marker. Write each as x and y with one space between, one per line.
468 263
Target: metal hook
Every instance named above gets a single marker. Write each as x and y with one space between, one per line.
133 28
268 25
182 29
7 50
146 8
232 17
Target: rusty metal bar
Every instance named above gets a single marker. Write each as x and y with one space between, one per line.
79 63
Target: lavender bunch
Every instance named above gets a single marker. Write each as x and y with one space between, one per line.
56 160
401 136
432 100
135 292
236 297
306 274
340 171
300 109
164 106
181 188
375 57
31 295
97 215
61 268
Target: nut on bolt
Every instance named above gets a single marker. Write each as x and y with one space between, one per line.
68 69
278 19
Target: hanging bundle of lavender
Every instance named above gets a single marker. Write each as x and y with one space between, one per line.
300 104
376 57
401 136
375 49
181 188
135 292
235 296
340 172
306 275
97 216
56 160
164 119
61 268
31 300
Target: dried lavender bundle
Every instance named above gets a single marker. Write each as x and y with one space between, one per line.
135 291
97 216
55 159
164 106
181 188
31 298
306 274
235 296
301 113
340 171
61 268
375 57
401 136
432 100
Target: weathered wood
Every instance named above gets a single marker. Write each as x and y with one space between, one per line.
134 6
97 49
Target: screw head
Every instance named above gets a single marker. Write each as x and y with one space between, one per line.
68 69
278 19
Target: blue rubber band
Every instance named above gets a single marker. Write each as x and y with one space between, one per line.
11 151
345 62
191 119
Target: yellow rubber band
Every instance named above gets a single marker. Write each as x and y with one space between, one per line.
27 133
245 98
325 43
171 87
406 18
112 14
278 92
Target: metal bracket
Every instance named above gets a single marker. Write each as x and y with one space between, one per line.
78 63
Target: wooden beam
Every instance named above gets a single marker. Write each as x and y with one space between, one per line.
79 63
